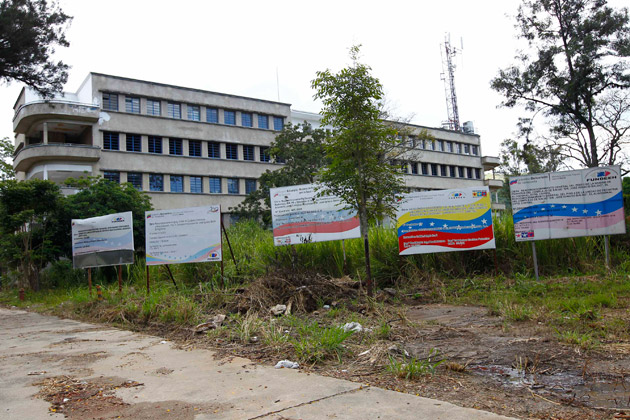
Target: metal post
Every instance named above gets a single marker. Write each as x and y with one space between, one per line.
535 259
345 263
90 280
607 250
148 282
168 269
222 265
227 238
120 279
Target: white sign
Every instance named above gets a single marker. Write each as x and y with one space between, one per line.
300 216
445 220
183 235
585 202
101 241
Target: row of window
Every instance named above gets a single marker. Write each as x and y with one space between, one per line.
435 169
197 184
440 145
193 112
133 143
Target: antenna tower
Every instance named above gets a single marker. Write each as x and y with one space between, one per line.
448 76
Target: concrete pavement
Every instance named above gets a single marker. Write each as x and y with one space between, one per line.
181 384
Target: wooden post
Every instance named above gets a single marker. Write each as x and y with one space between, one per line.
607 251
90 280
171 275
535 259
148 282
227 238
120 279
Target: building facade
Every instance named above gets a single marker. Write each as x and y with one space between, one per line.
188 147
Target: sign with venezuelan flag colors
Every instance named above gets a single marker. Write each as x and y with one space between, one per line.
586 202
103 240
186 235
300 216
444 221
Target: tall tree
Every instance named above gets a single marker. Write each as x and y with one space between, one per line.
351 105
576 58
6 156
301 148
29 32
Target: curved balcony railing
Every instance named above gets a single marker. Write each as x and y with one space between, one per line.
30 155
32 112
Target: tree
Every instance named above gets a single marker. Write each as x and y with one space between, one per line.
355 173
6 155
573 74
29 32
30 228
301 148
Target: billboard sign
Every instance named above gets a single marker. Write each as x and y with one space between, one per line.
300 216
102 241
444 221
185 235
585 202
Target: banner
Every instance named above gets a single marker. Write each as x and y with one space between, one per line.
444 221
300 216
585 202
101 241
183 235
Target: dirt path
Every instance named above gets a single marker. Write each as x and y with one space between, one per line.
54 368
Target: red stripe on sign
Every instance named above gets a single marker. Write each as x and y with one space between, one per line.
317 227
445 239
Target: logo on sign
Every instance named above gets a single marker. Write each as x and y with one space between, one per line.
214 254
600 175
480 193
514 182
118 220
456 195
213 209
528 234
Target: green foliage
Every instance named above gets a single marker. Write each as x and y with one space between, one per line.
30 30
62 274
6 156
574 72
31 234
315 343
413 368
301 148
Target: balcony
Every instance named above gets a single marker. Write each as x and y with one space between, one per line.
490 162
32 113
27 156
493 184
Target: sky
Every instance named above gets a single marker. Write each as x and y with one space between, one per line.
273 49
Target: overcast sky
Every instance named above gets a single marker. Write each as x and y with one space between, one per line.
245 47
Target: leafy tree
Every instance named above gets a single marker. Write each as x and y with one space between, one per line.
6 155
356 173
573 74
301 148
30 229
29 32
99 197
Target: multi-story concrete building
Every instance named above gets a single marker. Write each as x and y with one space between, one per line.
189 147
434 158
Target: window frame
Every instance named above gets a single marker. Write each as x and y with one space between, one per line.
194 148
248 186
249 152
181 185
265 118
190 112
112 101
170 110
247 117
153 141
196 181
175 145
231 151
151 107
231 182
217 183
232 117
214 112
130 139
264 155
159 178
278 123
112 176
212 148
130 104
138 186
108 138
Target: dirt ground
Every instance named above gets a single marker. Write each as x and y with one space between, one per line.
520 370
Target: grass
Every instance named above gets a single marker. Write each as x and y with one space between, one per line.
413 368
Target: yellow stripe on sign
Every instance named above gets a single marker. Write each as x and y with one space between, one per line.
458 212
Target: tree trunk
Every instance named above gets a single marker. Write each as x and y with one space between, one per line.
363 222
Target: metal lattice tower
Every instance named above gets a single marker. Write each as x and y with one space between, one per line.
448 76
